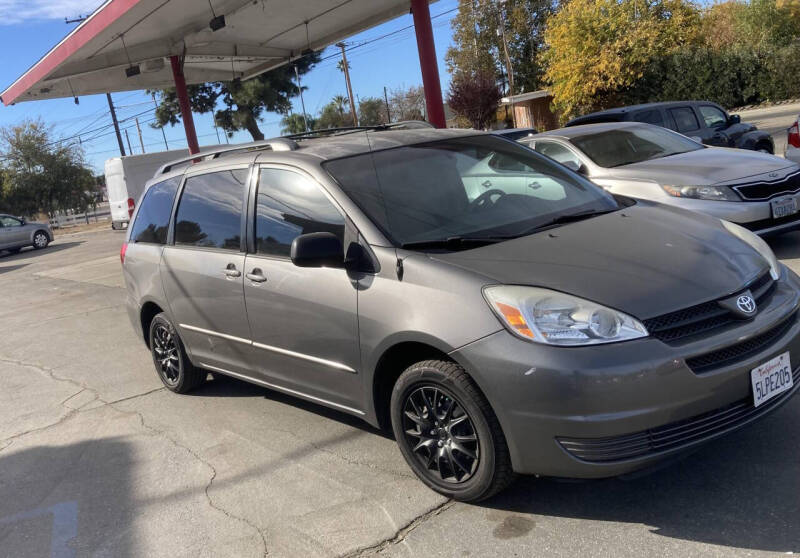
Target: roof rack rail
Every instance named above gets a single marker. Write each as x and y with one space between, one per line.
275 144
403 125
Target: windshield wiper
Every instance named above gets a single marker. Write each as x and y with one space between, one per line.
568 218
454 242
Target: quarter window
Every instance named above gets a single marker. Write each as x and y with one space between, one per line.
557 152
10 222
685 119
713 117
210 211
288 205
152 220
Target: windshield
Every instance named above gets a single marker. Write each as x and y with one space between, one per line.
633 144
478 187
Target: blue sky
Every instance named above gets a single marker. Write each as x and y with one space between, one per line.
29 28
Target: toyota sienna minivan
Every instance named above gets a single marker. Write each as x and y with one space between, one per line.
499 312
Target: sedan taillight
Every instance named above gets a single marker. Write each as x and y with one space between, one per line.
131 206
122 252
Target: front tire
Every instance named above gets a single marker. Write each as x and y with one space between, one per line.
169 357
448 432
40 240
764 147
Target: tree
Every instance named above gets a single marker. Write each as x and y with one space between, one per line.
478 31
295 124
372 112
41 174
474 97
598 48
333 115
244 102
407 104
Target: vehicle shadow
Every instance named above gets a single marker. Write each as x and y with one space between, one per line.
741 491
8 268
67 500
52 248
226 386
786 246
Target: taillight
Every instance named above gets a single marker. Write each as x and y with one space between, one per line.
131 206
794 135
122 252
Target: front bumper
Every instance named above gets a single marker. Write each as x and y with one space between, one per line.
753 215
556 404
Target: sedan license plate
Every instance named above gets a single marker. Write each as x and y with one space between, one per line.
771 378
783 207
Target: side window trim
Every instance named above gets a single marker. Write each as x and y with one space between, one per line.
179 195
252 201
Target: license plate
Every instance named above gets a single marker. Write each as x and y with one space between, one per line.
783 207
771 378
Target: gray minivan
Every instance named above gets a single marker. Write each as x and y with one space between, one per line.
499 312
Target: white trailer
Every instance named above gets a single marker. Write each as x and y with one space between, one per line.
126 176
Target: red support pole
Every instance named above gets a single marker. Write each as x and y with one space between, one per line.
427 62
183 101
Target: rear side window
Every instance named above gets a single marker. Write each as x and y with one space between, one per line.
652 116
557 152
152 220
288 205
685 119
210 211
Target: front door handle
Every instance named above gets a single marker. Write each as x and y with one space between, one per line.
231 271
256 276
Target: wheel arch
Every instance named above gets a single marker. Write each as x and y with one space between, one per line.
147 312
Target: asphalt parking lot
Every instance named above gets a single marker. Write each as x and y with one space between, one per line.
96 458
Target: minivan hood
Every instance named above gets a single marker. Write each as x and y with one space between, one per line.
706 166
645 260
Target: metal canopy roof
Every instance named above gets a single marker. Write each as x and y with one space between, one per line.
258 35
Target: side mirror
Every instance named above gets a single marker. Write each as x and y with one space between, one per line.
734 119
574 166
22 220
320 249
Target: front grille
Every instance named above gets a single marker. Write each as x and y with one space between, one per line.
764 190
675 435
739 351
705 317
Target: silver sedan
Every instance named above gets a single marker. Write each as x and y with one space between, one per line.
756 190
16 233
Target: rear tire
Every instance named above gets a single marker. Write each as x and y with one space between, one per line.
448 432
764 147
169 357
40 240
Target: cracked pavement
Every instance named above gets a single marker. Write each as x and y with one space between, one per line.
97 459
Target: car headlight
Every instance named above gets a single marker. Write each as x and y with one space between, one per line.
757 243
554 318
715 193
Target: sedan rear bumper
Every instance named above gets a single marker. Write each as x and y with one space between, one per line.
592 412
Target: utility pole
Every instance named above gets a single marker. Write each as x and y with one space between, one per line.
139 129
166 145
509 70
302 102
347 80
116 124
386 100
128 139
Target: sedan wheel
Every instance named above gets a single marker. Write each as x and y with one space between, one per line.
40 240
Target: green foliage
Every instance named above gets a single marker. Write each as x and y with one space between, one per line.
295 124
41 175
372 112
478 40
598 48
244 102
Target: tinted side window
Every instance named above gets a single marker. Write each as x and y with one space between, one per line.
651 116
556 152
713 116
10 222
685 120
288 205
152 220
210 210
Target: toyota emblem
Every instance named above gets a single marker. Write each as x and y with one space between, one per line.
746 304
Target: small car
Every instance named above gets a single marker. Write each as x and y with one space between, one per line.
703 121
758 191
16 233
497 311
